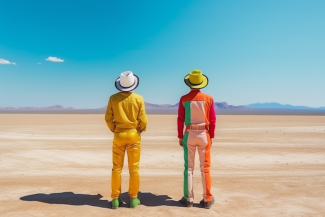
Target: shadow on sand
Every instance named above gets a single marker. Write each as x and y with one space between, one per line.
149 199
70 198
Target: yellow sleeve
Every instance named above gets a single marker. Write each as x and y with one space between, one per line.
142 117
109 116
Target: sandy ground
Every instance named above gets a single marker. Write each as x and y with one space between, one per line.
59 165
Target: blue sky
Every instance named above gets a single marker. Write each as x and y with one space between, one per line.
252 50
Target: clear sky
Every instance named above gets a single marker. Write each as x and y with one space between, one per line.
252 51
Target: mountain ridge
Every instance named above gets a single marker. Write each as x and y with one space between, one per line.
218 105
54 107
152 106
275 105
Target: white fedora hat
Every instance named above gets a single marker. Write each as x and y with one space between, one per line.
127 81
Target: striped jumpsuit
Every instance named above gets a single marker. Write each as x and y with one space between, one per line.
196 110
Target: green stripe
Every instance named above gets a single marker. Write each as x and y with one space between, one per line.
185 186
187 106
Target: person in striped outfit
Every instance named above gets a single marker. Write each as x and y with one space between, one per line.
196 111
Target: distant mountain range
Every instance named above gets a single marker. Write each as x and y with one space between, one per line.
54 107
150 106
218 105
274 105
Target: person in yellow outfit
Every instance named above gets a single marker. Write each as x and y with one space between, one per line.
126 118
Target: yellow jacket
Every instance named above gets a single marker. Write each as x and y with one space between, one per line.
125 110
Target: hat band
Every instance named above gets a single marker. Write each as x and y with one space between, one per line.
128 86
195 84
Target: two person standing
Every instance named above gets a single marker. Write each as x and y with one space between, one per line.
126 118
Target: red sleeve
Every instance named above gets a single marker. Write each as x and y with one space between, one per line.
180 119
212 120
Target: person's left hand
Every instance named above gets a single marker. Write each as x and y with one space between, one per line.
180 141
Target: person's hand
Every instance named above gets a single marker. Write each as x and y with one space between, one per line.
180 141
211 140
113 129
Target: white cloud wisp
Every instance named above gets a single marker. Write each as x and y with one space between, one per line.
3 61
55 59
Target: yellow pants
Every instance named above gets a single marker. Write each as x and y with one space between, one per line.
131 141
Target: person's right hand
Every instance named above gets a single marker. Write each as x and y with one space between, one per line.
180 141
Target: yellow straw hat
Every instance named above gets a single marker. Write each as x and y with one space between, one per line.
196 80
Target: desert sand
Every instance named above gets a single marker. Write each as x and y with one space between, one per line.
59 165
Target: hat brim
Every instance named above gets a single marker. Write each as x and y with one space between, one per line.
196 86
127 89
